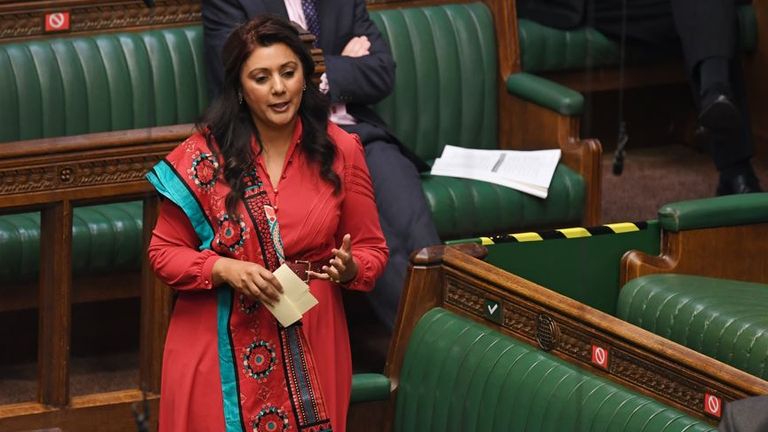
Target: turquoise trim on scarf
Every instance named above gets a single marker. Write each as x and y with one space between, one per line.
167 182
227 371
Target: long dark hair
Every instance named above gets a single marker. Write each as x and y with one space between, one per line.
229 122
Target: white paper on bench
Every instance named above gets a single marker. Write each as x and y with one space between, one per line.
296 298
527 171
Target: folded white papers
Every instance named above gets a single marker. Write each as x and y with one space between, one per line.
527 171
296 298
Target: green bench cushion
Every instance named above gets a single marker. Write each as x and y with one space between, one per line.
105 238
458 375
84 84
549 49
446 93
723 319
462 208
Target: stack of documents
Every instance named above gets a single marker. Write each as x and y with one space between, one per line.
296 298
527 171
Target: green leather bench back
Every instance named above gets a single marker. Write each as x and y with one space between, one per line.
105 238
461 376
550 49
77 85
446 77
585 269
723 319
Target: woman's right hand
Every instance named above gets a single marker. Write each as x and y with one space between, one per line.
249 278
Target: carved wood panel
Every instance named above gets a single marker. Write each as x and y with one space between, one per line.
23 20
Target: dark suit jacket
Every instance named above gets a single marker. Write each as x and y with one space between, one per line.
746 415
356 82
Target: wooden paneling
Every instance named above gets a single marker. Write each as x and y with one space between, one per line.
733 252
53 175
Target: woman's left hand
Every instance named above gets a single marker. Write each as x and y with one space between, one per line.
342 267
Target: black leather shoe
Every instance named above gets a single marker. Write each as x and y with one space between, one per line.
738 184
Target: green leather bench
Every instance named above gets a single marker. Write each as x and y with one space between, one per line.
545 49
724 319
723 314
81 85
118 81
458 375
697 275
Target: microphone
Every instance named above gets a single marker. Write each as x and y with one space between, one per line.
149 3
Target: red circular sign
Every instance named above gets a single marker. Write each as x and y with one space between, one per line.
56 20
713 404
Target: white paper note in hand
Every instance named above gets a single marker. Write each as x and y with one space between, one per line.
296 298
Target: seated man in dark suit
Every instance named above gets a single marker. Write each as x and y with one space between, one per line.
360 71
706 31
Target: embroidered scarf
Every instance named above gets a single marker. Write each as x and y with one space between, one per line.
268 375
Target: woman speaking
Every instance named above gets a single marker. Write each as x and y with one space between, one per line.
265 181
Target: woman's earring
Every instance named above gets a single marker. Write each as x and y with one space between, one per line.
305 88
240 97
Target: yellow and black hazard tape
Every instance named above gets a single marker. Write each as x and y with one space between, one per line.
566 233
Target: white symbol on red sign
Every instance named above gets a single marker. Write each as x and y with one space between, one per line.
600 356
713 405
57 21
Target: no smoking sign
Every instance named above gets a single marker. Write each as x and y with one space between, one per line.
56 22
713 405
600 356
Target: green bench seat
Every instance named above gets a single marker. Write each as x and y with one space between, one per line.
723 319
105 238
458 375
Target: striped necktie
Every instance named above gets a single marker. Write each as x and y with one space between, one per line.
311 17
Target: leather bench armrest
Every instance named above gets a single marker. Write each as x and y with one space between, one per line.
715 212
368 387
546 93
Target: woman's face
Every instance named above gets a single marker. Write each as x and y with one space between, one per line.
272 81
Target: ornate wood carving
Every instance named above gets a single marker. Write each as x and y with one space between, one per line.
22 20
76 174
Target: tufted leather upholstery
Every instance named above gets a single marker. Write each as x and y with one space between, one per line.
445 87
79 85
105 238
446 93
458 375
549 49
723 319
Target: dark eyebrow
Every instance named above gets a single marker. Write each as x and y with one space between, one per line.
290 63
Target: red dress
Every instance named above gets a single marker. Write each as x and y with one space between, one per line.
312 220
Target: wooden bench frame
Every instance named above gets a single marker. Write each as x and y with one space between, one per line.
731 252
53 176
456 279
